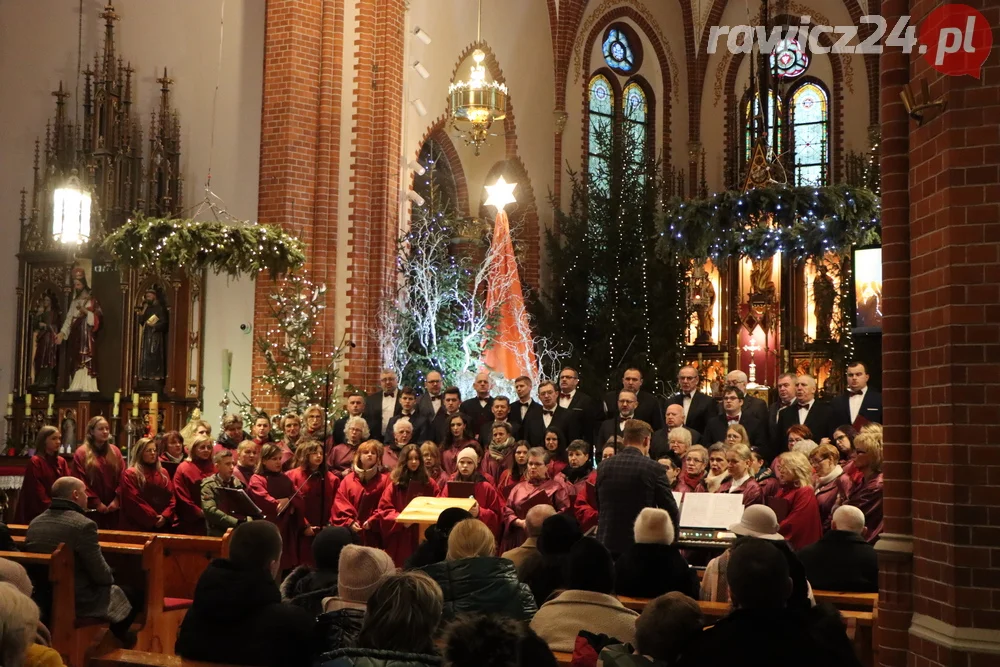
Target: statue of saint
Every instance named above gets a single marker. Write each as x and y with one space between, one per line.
702 299
68 428
83 321
45 325
824 295
760 277
153 326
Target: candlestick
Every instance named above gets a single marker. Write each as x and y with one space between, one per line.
52 400
118 398
10 406
135 405
27 405
227 370
155 398
114 411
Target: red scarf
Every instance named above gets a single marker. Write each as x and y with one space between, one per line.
690 482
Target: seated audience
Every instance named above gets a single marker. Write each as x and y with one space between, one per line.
477 640
408 480
237 616
14 573
172 451
761 587
536 488
738 459
146 492
474 579
220 513
308 586
653 565
434 548
842 560
692 478
832 485
545 571
664 631
187 486
489 505
359 494
43 469
516 471
400 624
360 571
867 496
718 470
64 522
588 603
533 526
19 620
801 524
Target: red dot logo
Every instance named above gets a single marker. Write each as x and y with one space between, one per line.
956 40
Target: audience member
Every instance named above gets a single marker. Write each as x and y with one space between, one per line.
588 603
14 573
653 565
19 620
308 586
434 548
667 626
237 616
842 560
477 640
801 525
533 526
360 571
545 571
400 624
474 579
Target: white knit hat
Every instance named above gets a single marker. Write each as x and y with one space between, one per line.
468 453
360 571
653 526
758 521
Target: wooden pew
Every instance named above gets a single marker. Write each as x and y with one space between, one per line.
125 658
842 601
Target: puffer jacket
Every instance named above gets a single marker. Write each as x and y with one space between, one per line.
484 584
340 628
369 657
307 587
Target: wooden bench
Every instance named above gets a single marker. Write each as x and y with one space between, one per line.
842 601
124 658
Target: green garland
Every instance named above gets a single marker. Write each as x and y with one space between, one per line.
167 245
802 222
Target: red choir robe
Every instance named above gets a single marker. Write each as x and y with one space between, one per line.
400 541
585 502
867 497
244 474
801 527
495 467
341 458
750 490
313 506
102 482
140 505
449 457
219 447
506 482
169 464
440 477
286 454
489 501
686 484
852 472
357 501
770 486
266 489
556 466
831 495
390 455
187 491
514 536
36 490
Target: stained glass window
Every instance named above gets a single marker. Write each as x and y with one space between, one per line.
789 59
634 111
810 133
619 53
602 110
750 115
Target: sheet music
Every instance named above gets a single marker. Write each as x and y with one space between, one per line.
711 510
678 496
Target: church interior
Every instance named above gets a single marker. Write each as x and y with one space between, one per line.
257 207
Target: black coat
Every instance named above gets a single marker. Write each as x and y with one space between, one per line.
373 411
841 561
484 584
650 570
648 411
515 418
533 429
237 617
703 408
719 424
871 408
819 420
421 428
439 427
609 427
339 628
477 413
753 406
426 407
583 418
373 657
306 587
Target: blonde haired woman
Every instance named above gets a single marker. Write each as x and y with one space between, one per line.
692 477
99 463
801 524
147 493
474 580
737 434
187 486
19 623
741 480
832 485
867 496
431 455
195 428
360 492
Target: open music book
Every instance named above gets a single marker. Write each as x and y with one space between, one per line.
711 510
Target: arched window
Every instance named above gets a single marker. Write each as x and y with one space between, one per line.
634 115
809 120
599 138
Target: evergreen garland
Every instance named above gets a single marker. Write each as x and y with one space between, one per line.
167 245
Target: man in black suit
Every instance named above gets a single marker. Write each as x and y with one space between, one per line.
479 407
626 484
524 404
786 396
381 406
674 418
698 407
627 403
432 400
733 402
649 407
860 403
501 413
550 416
842 560
584 412
408 412
752 405
355 408
452 403
817 415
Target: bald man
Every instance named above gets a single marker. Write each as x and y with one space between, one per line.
533 526
842 560
479 408
807 410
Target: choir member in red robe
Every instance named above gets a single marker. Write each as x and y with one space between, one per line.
44 468
291 430
314 417
402 435
247 455
867 496
187 486
342 455
740 480
260 432
232 434
801 525
99 464
359 493
692 478
489 504
582 476
555 445
499 452
523 496
315 489
431 455
718 468
407 481
459 437
172 452
147 493
832 485
843 439
272 492
516 472
193 429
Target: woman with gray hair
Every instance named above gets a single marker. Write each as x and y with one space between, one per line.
18 627
341 457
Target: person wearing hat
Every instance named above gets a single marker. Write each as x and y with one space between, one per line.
308 586
434 548
757 522
489 505
653 565
360 571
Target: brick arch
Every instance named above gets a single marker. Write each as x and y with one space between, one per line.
437 131
608 18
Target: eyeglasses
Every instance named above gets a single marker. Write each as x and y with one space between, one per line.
840 437
535 464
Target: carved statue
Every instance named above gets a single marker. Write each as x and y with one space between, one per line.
79 329
45 325
68 428
824 295
153 327
760 278
702 299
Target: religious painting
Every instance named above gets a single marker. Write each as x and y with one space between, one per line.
45 322
704 305
868 290
822 306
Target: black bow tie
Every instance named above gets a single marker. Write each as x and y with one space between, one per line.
854 392
624 419
734 419
803 406
548 412
388 394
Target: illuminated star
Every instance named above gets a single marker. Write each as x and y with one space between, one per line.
501 194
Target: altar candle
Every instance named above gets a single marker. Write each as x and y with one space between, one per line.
227 369
155 400
27 405
52 400
118 398
135 405
10 404
114 411
725 361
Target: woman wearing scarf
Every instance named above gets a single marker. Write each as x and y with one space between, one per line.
172 452
832 485
718 471
740 480
402 435
499 453
535 488
359 493
489 504
692 478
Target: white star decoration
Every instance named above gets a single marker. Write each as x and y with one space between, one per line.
501 194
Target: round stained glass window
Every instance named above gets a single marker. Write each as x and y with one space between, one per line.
789 59
621 50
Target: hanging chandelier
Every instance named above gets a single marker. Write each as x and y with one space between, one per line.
71 212
474 104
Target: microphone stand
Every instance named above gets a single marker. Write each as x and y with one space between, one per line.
323 466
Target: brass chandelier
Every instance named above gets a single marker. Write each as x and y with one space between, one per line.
474 104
